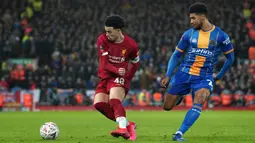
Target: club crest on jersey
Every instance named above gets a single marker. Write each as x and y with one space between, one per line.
123 51
194 40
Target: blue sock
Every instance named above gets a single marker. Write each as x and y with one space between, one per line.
191 117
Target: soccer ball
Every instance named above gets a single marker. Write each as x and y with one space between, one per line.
49 131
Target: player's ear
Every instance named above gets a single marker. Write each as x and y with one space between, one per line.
204 16
201 17
119 31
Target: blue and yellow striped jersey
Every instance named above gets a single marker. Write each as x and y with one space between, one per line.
202 50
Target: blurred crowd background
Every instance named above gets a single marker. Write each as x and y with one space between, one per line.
50 45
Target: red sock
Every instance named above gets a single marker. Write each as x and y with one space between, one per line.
105 109
117 107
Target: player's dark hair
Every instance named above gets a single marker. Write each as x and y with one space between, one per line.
198 8
115 21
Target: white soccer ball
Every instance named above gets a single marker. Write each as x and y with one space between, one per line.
49 131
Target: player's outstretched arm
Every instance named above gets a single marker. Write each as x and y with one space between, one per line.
103 57
171 66
182 45
228 63
134 60
133 69
108 66
173 62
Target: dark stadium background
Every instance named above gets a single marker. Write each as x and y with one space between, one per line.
49 45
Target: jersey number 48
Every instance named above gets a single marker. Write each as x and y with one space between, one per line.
120 80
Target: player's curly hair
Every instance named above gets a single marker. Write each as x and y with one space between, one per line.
198 8
115 21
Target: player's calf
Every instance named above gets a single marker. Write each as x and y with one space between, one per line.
105 109
193 114
116 96
101 104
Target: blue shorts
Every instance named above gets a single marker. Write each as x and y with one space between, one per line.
182 83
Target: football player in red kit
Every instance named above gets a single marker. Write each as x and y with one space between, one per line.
118 62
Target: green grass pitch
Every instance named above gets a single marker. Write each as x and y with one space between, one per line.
153 127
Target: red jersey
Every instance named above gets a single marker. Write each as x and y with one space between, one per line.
113 56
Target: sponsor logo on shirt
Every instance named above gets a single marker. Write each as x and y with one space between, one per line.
202 52
117 60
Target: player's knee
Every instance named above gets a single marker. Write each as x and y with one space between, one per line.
115 102
200 99
202 96
95 102
96 106
99 106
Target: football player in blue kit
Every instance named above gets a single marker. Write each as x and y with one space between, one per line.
201 44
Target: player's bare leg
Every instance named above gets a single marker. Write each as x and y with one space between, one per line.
193 114
201 96
170 101
101 103
117 94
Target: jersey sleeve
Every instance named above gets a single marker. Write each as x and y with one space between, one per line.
134 59
225 43
134 54
184 41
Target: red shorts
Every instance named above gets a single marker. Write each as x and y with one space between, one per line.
105 85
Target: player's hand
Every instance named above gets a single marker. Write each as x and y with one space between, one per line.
214 75
122 71
164 82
